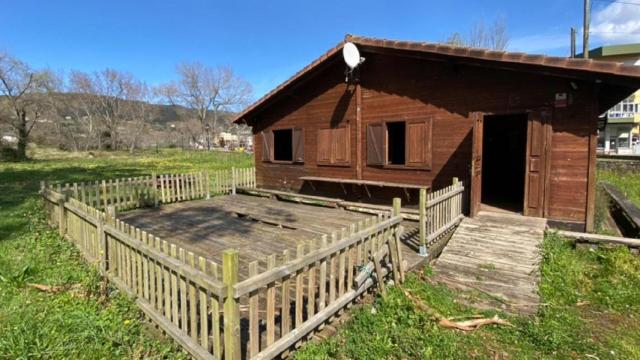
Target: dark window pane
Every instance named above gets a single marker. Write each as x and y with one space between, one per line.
283 145
396 143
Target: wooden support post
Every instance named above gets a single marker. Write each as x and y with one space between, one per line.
231 306
62 215
43 186
233 181
423 221
154 188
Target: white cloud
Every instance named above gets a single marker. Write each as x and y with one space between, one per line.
617 23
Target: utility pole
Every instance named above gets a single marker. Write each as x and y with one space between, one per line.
573 42
585 29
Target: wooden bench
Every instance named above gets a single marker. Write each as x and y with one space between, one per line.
365 183
294 197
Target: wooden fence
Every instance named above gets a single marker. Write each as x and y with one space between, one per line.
439 212
201 308
152 190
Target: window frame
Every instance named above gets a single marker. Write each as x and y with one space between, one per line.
428 165
293 160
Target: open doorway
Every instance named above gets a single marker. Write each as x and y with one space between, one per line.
504 147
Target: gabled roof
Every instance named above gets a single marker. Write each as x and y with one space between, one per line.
586 66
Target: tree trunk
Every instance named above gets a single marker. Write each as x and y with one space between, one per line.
114 140
23 135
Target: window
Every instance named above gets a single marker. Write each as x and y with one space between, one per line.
334 146
283 145
400 144
396 143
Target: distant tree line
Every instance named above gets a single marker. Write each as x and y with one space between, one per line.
112 109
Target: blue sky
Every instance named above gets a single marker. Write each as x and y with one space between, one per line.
267 41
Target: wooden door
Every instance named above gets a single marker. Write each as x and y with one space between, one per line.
536 162
476 163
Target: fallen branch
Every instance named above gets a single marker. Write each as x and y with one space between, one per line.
54 289
467 325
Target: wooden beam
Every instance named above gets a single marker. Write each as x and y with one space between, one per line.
359 158
600 239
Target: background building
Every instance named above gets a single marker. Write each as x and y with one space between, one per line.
622 131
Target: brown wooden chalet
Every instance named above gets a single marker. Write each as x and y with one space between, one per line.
520 129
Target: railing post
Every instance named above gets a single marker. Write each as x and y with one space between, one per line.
231 306
104 194
62 215
233 181
394 244
102 238
154 184
112 213
207 185
423 222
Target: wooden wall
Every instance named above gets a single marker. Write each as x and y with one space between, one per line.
403 88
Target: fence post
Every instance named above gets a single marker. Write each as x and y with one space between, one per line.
102 238
233 181
62 215
112 213
394 245
423 222
207 185
231 306
104 194
154 184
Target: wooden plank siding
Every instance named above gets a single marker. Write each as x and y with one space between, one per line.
397 88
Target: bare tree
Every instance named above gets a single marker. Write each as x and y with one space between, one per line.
20 88
207 91
494 37
139 113
106 95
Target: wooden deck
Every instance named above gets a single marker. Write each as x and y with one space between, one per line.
255 226
497 255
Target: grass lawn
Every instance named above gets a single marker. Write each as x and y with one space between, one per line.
82 322
591 307
627 182
590 310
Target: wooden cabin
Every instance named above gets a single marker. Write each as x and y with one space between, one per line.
520 129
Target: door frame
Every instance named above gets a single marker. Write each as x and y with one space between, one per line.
542 165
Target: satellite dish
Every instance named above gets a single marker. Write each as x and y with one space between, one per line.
351 55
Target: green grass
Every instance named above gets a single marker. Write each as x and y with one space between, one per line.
85 322
590 308
627 182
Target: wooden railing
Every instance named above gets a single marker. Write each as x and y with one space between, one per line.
201 307
152 190
179 291
294 294
439 212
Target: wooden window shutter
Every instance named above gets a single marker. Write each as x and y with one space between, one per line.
267 140
418 144
298 145
324 146
375 144
341 146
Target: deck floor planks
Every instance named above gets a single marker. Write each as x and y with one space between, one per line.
208 227
497 254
